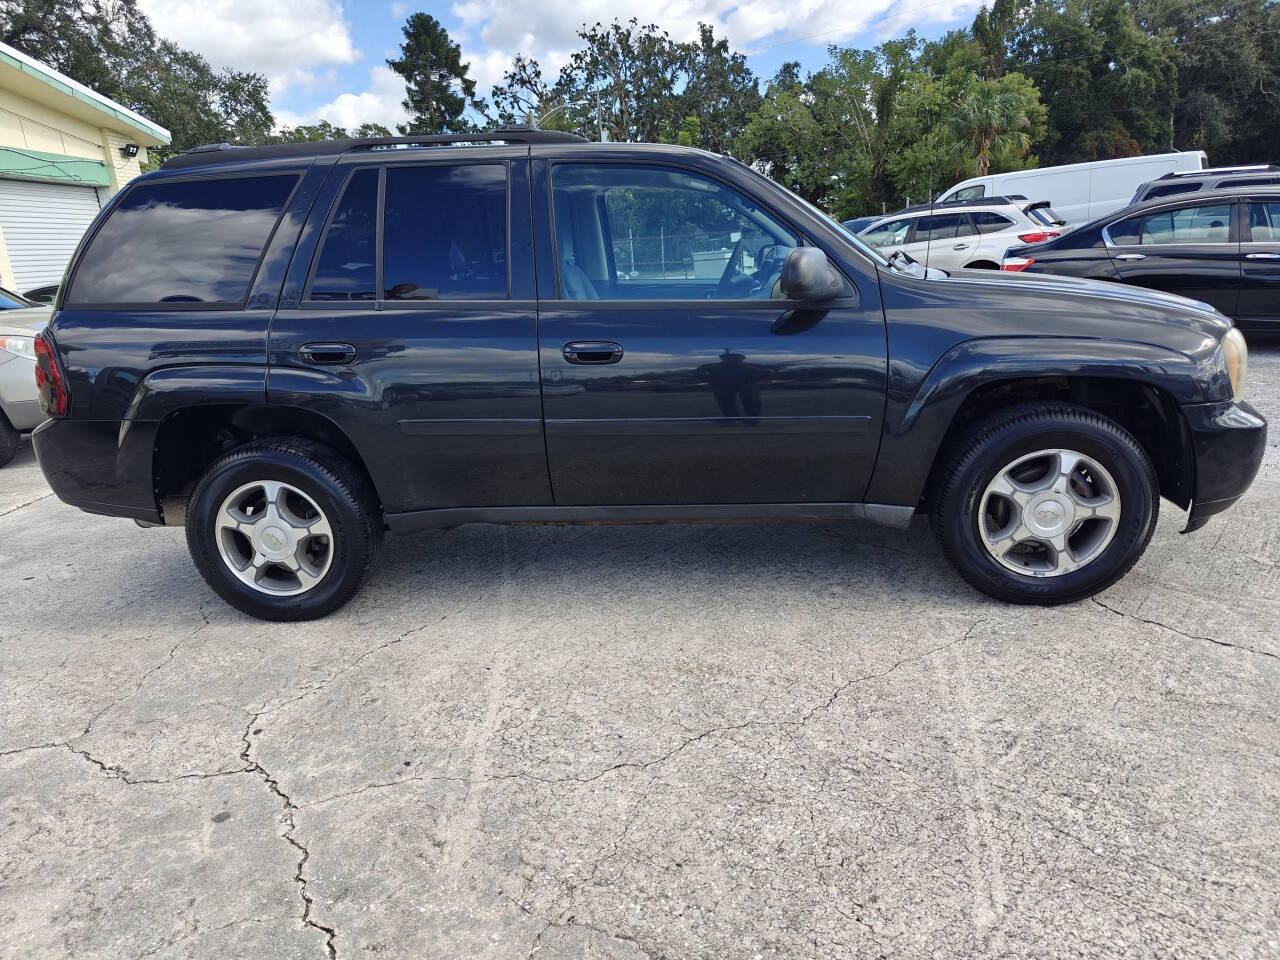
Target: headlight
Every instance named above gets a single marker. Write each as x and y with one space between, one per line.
22 346
1235 354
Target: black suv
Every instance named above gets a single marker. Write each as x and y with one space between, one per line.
293 349
1222 248
1182 182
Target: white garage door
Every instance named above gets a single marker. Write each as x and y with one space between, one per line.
42 224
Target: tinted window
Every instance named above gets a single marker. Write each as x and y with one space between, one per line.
888 234
347 267
183 242
1264 222
1206 224
627 232
988 222
1249 182
968 193
445 233
939 227
1126 232
1171 189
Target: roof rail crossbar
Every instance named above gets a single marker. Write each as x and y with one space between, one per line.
1239 168
227 153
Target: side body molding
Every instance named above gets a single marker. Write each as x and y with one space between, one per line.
917 420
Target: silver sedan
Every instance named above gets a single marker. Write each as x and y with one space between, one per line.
19 399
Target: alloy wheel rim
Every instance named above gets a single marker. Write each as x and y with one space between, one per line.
274 538
1049 513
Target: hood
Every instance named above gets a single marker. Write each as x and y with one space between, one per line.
24 322
1121 302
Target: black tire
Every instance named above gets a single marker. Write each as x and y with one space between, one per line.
998 440
337 487
9 438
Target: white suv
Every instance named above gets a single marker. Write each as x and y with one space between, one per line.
972 234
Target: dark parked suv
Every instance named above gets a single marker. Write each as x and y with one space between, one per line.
293 349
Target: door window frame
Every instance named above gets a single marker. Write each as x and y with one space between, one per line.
1233 224
380 301
805 240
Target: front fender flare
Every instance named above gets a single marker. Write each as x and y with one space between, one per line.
919 415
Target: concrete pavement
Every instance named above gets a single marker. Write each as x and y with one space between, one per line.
684 741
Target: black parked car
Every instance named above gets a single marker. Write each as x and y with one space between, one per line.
1223 250
293 349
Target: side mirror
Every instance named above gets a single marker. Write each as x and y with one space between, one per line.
807 274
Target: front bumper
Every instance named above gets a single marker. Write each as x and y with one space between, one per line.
1228 440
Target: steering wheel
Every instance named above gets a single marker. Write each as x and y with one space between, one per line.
725 286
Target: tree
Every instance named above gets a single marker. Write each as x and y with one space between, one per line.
624 77
992 119
719 90
1109 86
1228 53
431 64
324 130
110 46
522 93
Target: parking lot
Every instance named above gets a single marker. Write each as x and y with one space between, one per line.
721 741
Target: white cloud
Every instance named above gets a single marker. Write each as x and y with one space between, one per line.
380 103
289 41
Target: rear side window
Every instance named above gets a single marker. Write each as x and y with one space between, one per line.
1264 222
988 222
347 268
182 242
941 227
445 233
1170 190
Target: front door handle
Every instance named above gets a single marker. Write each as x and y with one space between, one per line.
1262 256
961 246
1131 256
592 351
328 353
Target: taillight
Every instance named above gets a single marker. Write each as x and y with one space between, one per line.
1039 237
1015 264
53 387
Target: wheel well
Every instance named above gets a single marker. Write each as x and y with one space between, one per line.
191 438
1147 412
982 265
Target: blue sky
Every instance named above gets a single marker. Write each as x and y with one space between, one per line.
325 59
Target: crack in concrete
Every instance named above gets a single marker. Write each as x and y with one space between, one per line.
1183 633
290 808
5 513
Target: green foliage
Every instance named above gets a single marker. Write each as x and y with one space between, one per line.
437 88
324 130
1109 86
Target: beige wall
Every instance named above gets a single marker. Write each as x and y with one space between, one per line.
25 124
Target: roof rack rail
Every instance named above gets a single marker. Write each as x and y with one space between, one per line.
1238 168
227 153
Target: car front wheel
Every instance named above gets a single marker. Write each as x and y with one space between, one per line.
284 529
1045 503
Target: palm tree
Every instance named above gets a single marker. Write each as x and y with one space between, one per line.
988 121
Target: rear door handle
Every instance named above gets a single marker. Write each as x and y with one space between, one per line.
1131 256
961 246
328 353
1262 256
592 351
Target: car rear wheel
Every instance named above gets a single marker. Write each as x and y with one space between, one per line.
9 438
1045 503
284 529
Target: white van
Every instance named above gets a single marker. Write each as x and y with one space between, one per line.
1079 191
